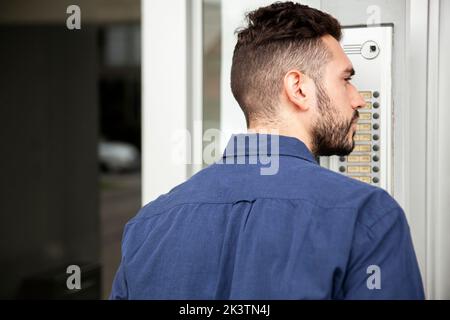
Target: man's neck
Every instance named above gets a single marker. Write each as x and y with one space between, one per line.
298 133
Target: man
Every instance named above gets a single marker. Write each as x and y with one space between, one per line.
298 231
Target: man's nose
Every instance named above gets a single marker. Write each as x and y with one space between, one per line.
359 101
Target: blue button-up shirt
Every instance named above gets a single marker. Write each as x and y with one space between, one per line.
267 222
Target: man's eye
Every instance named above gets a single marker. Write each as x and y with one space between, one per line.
348 79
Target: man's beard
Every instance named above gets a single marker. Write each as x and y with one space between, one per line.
330 132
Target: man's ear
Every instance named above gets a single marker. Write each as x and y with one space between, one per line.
296 87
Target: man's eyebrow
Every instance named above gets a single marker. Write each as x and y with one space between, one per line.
350 71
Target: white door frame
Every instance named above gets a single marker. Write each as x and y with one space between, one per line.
171 93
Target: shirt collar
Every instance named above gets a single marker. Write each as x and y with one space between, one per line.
254 144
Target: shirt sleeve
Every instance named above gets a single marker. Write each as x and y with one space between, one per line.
382 262
119 288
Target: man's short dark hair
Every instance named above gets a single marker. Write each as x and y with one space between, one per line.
279 37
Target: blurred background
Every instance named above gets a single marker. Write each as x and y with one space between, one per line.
91 120
71 140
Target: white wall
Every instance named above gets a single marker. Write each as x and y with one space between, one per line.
439 152
171 94
164 95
